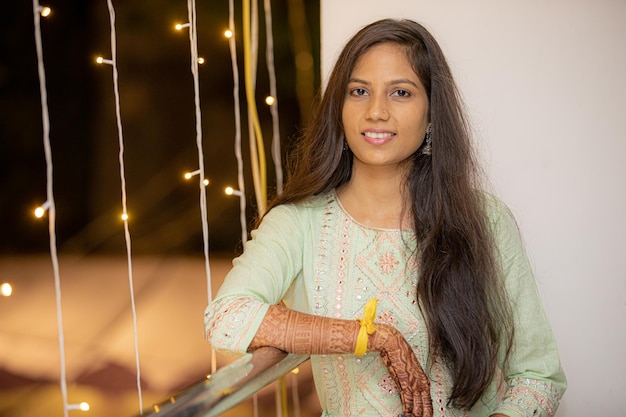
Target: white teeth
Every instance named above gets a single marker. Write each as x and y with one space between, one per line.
374 135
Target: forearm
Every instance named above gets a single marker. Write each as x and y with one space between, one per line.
301 333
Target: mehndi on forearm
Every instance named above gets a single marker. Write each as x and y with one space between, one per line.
301 333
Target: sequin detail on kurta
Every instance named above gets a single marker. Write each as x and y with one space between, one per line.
316 259
374 261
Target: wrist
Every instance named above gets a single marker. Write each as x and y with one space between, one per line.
378 340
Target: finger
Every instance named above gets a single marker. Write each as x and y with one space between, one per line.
406 394
417 404
427 403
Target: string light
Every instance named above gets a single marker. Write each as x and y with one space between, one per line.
41 210
180 26
45 118
232 46
6 289
127 238
270 100
193 46
45 11
201 60
82 406
232 191
101 60
189 175
271 71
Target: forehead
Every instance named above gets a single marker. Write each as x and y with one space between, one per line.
385 57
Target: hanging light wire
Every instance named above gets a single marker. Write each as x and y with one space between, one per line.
45 118
232 43
193 43
124 197
276 154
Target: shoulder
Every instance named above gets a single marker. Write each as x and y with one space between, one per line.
492 205
301 215
498 214
310 206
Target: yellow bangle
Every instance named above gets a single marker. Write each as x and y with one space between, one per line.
368 327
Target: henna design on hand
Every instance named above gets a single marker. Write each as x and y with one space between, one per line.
412 382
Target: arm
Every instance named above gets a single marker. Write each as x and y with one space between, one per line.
244 315
296 332
260 277
534 377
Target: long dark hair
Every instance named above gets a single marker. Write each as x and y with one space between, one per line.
460 289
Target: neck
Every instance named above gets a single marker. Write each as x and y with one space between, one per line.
376 198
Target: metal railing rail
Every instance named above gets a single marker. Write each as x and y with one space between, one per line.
229 385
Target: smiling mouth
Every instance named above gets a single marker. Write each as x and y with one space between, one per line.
378 137
374 135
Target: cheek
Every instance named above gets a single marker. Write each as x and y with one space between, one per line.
347 119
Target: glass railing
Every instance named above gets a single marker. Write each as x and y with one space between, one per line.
229 385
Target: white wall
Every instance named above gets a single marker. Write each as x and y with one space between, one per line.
545 86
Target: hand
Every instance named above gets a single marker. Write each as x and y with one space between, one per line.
405 369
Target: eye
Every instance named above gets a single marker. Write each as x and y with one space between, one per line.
401 93
358 91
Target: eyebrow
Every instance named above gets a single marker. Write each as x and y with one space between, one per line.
392 82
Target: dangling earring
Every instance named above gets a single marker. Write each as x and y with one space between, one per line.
345 145
427 148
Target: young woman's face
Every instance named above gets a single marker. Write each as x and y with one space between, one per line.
385 110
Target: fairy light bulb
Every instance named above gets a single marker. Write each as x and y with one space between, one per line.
45 11
84 406
232 191
201 60
101 60
41 210
6 289
180 26
228 33
270 100
188 175
295 371
124 216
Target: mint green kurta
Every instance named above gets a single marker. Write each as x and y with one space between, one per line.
317 259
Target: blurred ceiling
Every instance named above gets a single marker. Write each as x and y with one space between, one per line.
170 297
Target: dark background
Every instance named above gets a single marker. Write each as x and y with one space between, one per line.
158 120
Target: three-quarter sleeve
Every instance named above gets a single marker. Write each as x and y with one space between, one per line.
272 258
534 377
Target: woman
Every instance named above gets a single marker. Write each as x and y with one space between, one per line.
383 204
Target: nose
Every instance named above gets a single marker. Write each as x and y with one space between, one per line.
377 109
